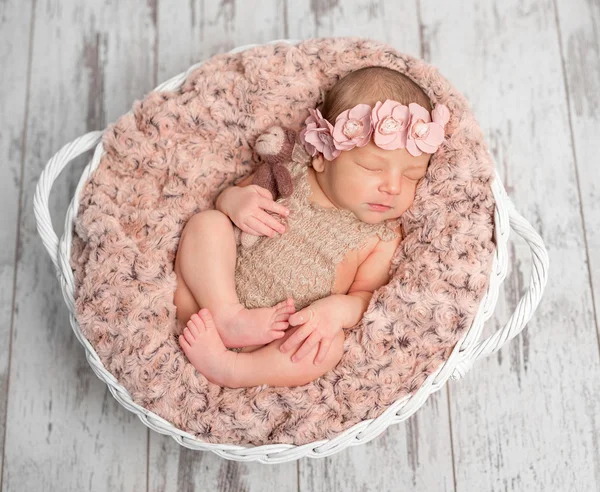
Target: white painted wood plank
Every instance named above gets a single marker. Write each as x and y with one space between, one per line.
65 431
579 25
15 29
415 454
376 19
191 32
526 418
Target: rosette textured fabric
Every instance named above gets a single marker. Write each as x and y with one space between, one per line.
176 151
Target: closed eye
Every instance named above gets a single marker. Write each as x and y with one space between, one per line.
368 168
411 178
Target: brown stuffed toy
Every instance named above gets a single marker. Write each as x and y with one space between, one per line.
274 148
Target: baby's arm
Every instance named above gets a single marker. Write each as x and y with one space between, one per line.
224 201
371 274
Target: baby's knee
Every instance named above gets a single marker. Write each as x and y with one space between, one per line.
212 220
208 217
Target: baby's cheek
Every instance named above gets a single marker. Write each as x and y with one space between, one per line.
407 203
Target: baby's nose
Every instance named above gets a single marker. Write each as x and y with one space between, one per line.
393 187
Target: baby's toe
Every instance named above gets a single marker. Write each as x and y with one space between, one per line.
281 325
187 333
184 343
284 307
207 319
288 302
291 305
196 326
282 317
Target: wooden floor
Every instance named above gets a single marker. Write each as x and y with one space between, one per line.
524 419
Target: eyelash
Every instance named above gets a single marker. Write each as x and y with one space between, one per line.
375 170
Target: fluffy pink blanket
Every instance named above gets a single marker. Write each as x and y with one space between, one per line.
176 151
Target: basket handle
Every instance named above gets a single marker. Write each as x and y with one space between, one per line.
41 198
528 302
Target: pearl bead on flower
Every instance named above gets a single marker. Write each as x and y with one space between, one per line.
352 128
421 129
389 125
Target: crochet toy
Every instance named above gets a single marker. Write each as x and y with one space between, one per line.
274 148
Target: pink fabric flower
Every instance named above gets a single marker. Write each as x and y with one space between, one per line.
390 123
317 136
423 134
353 128
309 148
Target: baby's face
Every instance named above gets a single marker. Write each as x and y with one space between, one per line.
371 175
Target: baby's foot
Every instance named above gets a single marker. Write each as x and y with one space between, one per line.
205 350
240 327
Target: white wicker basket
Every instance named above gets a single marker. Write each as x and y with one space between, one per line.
466 352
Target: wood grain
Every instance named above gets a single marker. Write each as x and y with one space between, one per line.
579 24
15 31
192 31
580 33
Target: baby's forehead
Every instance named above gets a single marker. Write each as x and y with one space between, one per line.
389 157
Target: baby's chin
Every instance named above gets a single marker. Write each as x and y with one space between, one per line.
377 217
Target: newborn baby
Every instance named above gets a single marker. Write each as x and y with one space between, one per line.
321 252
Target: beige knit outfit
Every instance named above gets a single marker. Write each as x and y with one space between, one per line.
302 262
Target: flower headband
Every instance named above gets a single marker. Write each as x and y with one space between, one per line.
392 124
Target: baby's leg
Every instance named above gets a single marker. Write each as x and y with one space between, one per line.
267 365
205 269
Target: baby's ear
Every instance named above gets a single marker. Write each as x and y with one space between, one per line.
318 163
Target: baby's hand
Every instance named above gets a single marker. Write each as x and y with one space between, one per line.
250 211
321 324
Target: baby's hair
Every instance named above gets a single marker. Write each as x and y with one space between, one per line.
369 85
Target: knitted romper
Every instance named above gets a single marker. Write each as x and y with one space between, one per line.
301 263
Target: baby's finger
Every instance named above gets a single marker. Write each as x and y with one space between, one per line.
261 227
323 349
272 222
295 339
246 228
303 316
275 207
307 346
